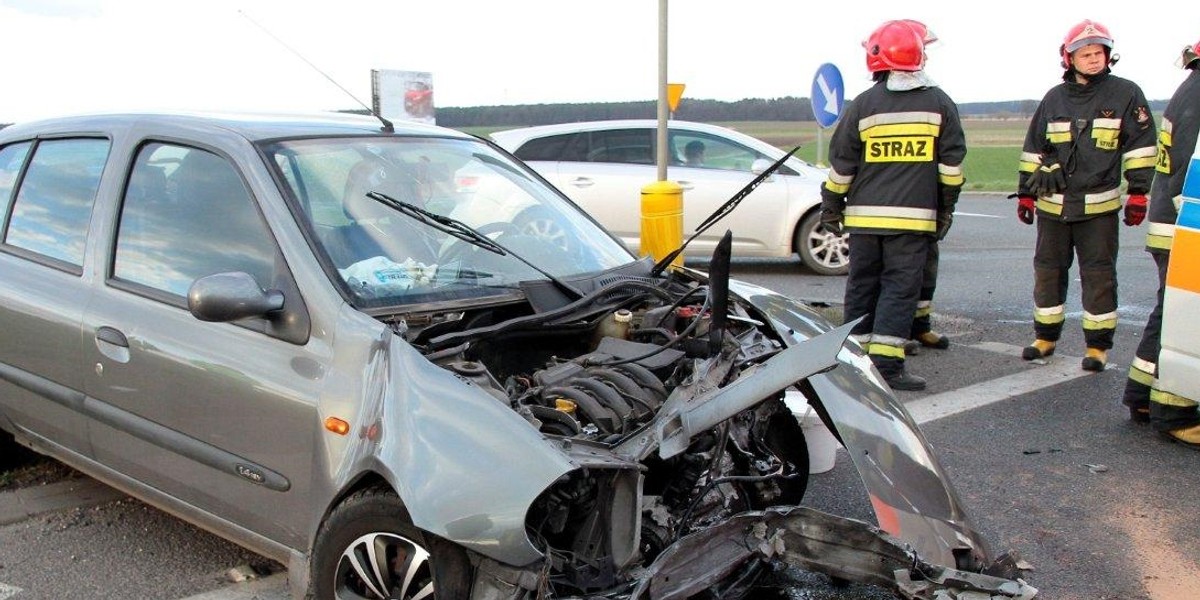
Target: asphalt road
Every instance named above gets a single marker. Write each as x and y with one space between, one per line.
1042 455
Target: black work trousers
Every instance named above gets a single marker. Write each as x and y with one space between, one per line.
1095 242
883 286
1143 373
923 319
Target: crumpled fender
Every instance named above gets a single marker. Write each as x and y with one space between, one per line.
910 493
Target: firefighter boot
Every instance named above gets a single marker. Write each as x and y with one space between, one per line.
933 339
1187 436
896 376
1095 359
1038 349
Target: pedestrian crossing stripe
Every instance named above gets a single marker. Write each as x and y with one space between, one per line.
1185 251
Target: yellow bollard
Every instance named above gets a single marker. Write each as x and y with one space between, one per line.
662 221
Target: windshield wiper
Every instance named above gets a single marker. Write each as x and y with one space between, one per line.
722 210
465 233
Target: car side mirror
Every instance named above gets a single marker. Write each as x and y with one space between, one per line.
759 165
224 297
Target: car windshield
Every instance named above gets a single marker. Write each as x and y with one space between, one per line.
385 257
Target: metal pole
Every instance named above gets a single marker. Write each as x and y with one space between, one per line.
663 108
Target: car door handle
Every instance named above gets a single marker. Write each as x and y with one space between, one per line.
582 182
112 336
687 185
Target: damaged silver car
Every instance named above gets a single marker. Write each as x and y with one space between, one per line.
399 362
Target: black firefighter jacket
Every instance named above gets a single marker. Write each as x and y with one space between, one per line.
1094 131
1176 141
896 161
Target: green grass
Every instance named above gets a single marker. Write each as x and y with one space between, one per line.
993 146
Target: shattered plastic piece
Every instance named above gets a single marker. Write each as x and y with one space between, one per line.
241 573
1097 468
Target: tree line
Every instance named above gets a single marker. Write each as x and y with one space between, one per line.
709 111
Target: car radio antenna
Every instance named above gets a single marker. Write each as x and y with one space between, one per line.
387 125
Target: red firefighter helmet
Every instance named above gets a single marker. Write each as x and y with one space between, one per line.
1083 33
896 46
1189 55
927 35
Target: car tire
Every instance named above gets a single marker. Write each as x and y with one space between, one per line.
374 522
821 250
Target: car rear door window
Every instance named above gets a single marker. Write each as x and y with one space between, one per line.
188 214
625 146
12 158
53 206
570 147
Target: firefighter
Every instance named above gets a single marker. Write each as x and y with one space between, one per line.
895 175
1174 415
922 333
1085 132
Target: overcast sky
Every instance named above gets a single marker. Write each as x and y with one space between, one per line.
67 56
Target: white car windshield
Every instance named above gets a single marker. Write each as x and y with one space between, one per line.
343 188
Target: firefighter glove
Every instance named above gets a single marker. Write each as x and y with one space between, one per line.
831 219
1135 209
1047 180
1026 208
945 219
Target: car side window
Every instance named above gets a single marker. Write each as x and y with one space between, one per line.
53 205
12 158
187 214
718 153
626 146
569 147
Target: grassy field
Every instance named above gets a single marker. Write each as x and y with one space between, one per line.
993 146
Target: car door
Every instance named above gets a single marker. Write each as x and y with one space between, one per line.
48 189
218 415
761 223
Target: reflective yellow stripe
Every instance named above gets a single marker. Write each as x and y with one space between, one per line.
891 223
900 118
1160 235
1050 315
885 350
900 129
1141 377
1091 325
950 175
837 188
1058 138
924 308
1103 207
1170 399
1050 206
1141 162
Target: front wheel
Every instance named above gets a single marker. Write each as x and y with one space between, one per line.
367 549
821 250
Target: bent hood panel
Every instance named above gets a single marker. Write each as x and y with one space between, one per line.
910 493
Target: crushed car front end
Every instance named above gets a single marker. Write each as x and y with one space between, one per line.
581 424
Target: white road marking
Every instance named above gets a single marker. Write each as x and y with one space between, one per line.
1053 371
968 214
8 591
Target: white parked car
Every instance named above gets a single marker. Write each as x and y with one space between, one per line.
603 166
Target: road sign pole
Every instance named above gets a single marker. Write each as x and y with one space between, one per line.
820 146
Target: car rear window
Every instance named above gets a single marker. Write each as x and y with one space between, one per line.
53 206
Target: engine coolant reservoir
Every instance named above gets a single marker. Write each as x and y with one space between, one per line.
615 324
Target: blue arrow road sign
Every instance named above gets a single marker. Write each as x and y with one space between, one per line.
828 94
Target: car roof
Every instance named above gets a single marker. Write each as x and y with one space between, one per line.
252 126
514 138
